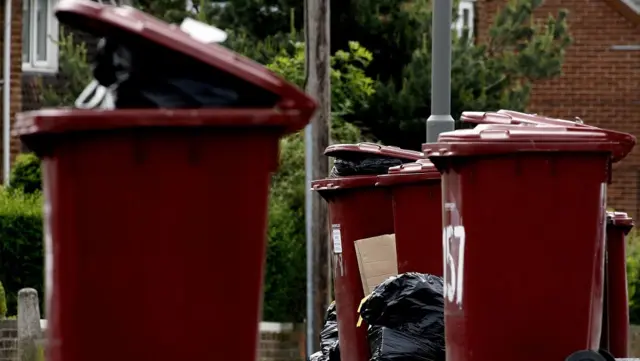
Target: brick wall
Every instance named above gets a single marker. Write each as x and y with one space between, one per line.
278 342
8 340
282 345
284 342
16 67
600 85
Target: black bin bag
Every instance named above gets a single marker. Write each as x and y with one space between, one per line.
329 344
405 315
140 74
367 158
392 345
371 165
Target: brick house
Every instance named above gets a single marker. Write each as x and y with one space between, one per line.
34 53
601 80
16 66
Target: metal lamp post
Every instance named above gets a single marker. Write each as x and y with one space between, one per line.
440 120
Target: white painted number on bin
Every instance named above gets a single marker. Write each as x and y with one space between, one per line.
337 238
453 247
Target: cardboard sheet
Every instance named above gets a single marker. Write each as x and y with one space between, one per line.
376 260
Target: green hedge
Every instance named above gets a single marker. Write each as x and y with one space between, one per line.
21 249
26 175
3 302
633 276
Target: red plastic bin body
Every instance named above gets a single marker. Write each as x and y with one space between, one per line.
161 210
615 333
517 267
417 216
360 210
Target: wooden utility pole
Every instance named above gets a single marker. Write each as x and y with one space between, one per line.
318 85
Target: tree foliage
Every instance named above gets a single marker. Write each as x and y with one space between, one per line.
488 76
74 70
492 76
3 303
285 280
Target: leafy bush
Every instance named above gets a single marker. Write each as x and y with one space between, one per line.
21 249
633 275
26 174
3 303
74 69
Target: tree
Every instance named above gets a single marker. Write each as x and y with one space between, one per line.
492 76
286 266
488 76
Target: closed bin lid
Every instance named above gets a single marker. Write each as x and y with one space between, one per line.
363 150
502 139
420 171
129 25
620 219
342 183
513 117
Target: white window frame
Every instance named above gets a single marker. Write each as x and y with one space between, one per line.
51 64
468 5
633 4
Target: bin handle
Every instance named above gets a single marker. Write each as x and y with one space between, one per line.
325 186
494 134
410 166
486 118
368 145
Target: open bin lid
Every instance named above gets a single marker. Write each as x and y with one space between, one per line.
500 139
129 25
365 150
515 118
422 170
620 219
57 121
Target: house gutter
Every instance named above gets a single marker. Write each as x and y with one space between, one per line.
6 94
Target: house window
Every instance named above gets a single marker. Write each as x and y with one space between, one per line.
466 14
39 36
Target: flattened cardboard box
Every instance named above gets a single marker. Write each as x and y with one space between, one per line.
376 260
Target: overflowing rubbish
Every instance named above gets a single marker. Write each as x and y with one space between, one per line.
128 75
405 315
372 165
329 343
367 158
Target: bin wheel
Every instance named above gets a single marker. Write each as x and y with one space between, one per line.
586 355
606 354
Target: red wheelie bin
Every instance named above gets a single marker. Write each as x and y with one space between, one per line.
155 219
417 216
357 209
615 324
524 217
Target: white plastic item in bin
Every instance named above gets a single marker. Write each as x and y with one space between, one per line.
203 32
96 96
